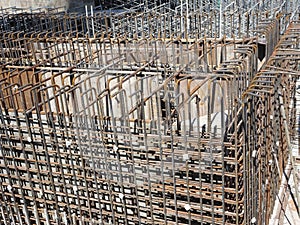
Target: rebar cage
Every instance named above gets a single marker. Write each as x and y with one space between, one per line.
106 123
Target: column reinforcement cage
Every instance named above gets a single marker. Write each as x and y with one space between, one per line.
117 128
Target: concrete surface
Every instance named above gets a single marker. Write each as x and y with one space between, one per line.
72 5
291 216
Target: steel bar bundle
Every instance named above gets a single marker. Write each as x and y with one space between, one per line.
129 117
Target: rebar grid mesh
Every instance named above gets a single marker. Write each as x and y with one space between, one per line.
129 127
234 19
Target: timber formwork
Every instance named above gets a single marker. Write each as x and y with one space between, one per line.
103 123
